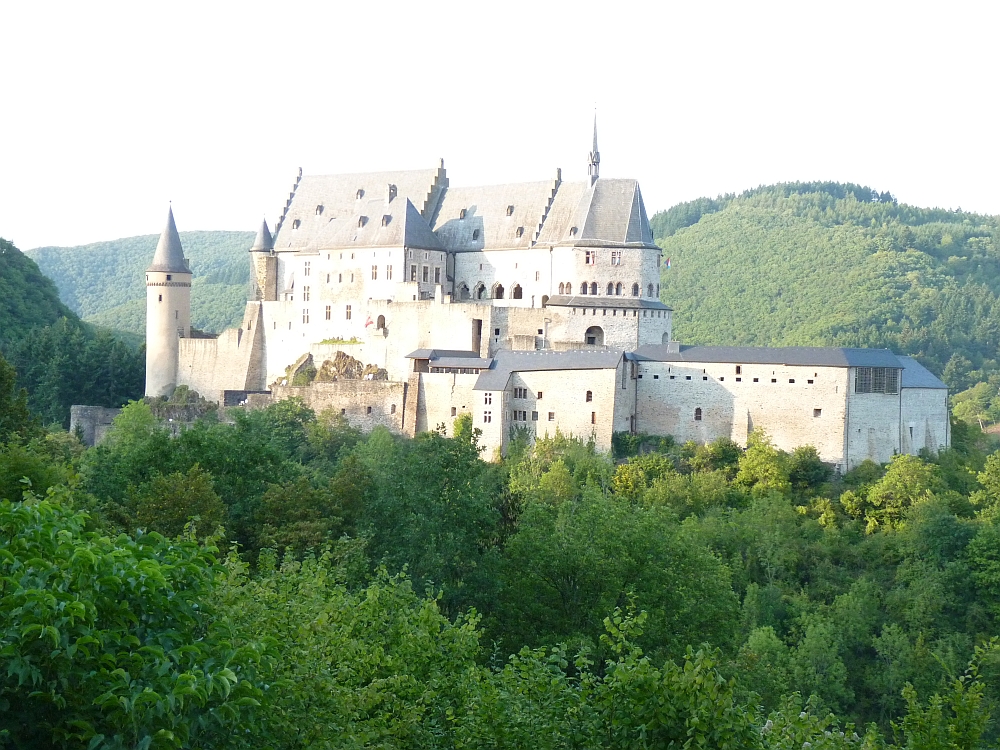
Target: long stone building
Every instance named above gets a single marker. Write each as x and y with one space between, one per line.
399 300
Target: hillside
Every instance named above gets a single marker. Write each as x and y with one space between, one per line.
59 359
27 297
103 282
835 264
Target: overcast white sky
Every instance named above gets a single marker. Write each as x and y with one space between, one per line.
110 110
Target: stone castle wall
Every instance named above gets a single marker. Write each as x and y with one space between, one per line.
365 404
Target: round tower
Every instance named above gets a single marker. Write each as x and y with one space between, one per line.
168 310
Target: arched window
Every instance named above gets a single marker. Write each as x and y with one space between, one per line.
480 290
649 290
463 291
593 287
515 293
657 290
590 396
635 290
583 288
611 288
569 287
498 291
562 287
697 414
594 336
618 289
380 323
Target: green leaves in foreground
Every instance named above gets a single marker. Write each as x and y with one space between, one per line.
110 643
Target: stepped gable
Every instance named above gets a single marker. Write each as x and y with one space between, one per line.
263 242
333 211
169 255
379 223
486 224
563 215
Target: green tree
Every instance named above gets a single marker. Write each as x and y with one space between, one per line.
763 468
166 504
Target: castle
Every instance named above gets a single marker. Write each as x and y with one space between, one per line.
401 301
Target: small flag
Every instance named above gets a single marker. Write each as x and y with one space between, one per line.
369 321
668 262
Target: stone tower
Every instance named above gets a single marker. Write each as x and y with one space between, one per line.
168 310
265 265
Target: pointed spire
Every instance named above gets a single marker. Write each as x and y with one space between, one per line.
169 255
595 157
264 242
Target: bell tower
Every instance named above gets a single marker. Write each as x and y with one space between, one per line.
168 310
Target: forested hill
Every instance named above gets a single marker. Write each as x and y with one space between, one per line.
57 358
836 264
104 282
27 297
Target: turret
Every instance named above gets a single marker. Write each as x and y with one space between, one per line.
265 265
168 310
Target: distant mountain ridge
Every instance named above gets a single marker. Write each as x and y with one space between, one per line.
836 264
104 282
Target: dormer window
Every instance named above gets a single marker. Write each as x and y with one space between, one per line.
386 218
572 231
319 210
296 224
461 214
475 234
510 210
362 220
520 231
391 193
360 194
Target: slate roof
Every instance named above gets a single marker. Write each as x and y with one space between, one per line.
915 375
486 224
615 215
506 362
787 355
628 303
436 353
169 255
331 215
263 241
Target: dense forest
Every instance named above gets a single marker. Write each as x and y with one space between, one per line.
104 282
275 578
60 360
838 265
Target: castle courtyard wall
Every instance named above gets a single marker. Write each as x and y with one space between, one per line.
365 404
924 420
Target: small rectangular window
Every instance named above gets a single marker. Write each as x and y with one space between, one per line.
374 273
721 380
539 394
388 273
169 277
347 312
774 380
454 411
552 416
739 369
809 382
487 398
425 272
704 377
756 380
791 380
369 410
305 315
817 412
496 331
593 417
328 312
656 377
739 380
306 268
534 416
437 275
687 377
305 294
413 273
673 377
487 417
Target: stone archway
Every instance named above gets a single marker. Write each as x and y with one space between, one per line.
594 336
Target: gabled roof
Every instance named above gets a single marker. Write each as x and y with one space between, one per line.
915 375
506 362
786 355
613 214
169 255
476 218
346 211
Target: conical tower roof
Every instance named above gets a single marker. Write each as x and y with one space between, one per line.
264 242
169 256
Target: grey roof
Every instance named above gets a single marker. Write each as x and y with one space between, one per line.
506 362
476 218
341 211
787 355
466 362
915 375
169 255
437 353
263 241
628 303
